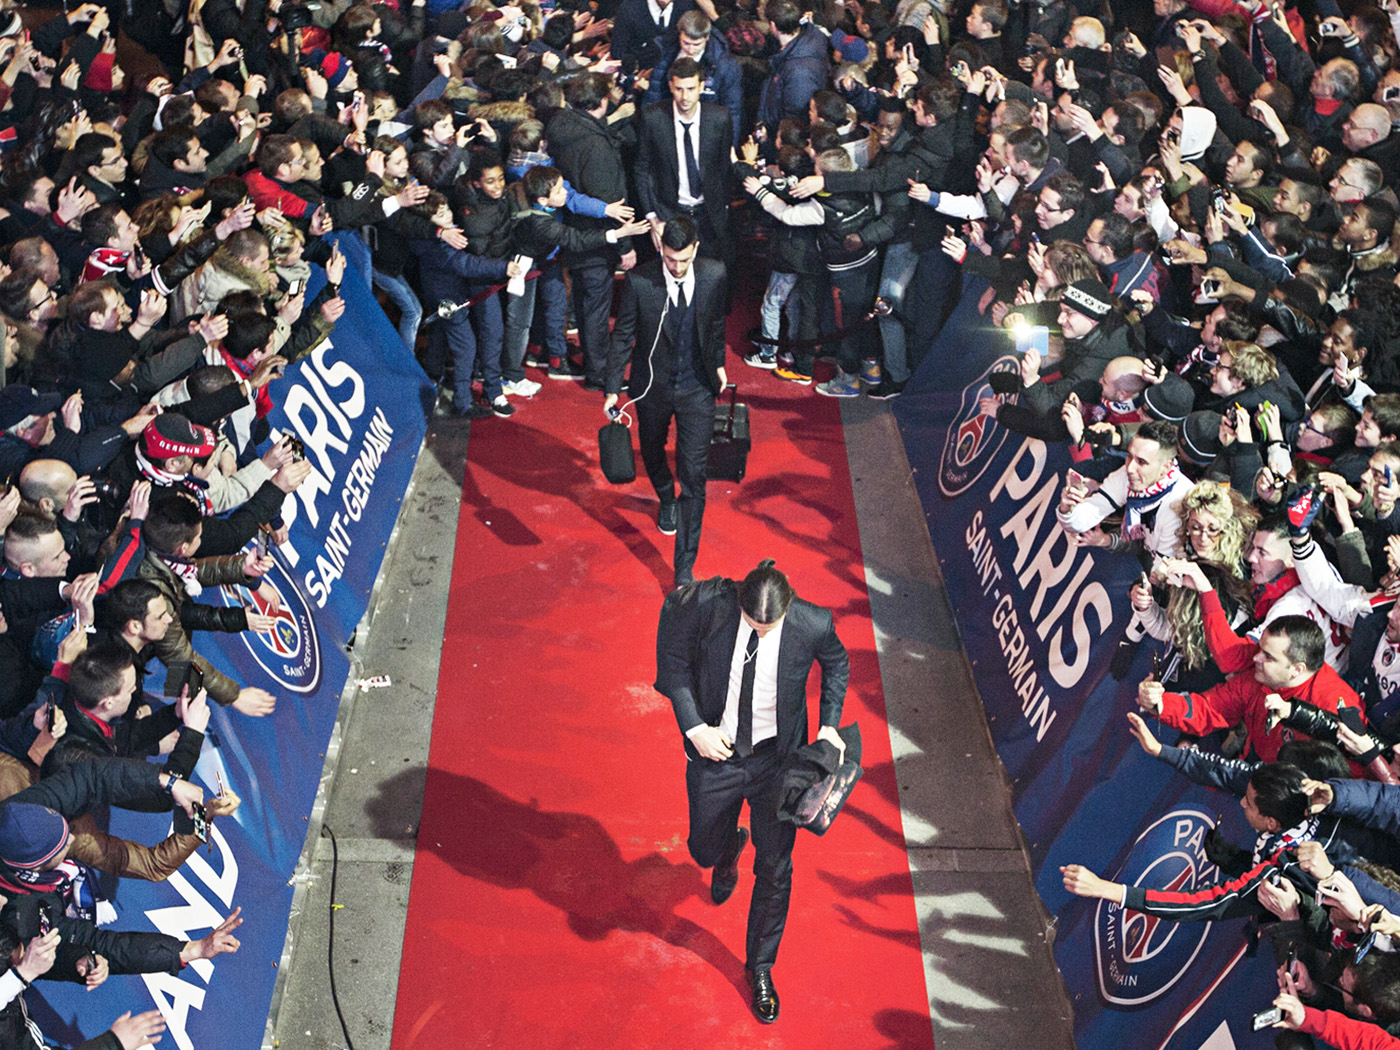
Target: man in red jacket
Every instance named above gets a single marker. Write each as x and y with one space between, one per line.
1289 663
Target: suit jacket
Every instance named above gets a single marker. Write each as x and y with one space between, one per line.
639 334
695 645
658 163
634 30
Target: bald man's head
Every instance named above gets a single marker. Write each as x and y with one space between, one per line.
1122 379
1367 125
46 483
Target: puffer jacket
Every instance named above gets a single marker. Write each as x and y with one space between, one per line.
800 70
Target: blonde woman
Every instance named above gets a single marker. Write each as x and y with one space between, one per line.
1215 527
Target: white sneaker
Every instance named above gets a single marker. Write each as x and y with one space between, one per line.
520 388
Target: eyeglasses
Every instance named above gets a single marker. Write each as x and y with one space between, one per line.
1307 425
1197 529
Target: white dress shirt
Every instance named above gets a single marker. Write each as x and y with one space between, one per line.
687 194
765 684
660 15
674 288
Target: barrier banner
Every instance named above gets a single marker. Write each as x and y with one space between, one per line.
1042 620
356 403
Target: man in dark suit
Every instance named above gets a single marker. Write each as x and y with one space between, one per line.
733 659
670 324
638 23
683 159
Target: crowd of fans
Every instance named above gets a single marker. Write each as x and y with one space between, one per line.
1187 228
1181 214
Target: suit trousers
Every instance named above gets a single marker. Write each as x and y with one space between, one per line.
694 413
717 792
593 294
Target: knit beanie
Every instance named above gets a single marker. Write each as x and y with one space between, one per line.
850 48
171 434
335 67
1171 399
99 75
30 835
1089 297
1200 437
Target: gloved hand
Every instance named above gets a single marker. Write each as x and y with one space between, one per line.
1303 510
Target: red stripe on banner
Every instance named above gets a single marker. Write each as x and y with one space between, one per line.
1200 1001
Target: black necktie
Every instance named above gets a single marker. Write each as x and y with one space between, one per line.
743 745
692 166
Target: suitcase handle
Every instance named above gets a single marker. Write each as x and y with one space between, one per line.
733 389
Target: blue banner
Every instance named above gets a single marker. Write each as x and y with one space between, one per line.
1042 620
356 403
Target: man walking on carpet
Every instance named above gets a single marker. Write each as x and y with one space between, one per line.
670 325
733 658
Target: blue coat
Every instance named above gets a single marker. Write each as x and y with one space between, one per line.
451 274
800 70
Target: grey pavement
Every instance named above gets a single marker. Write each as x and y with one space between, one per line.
992 983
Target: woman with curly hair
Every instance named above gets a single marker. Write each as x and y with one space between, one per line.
1215 527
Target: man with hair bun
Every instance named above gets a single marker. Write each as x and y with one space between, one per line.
733 657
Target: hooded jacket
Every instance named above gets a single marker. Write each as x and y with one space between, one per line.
1197 131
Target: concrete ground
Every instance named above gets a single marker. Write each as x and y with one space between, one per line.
992 983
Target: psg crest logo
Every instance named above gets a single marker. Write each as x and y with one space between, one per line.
973 439
1140 957
290 650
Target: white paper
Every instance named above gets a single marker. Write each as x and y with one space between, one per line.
516 285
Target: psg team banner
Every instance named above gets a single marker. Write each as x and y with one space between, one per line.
356 403
1042 620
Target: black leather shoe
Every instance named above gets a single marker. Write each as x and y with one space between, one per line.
666 519
726 874
765 996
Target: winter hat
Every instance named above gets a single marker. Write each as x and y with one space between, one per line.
850 48
335 67
451 24
1197 129
1171 399
1090 298
18 402
1199 440
1018 92
30 835
171 434
99 75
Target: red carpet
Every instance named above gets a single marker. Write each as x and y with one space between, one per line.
553 901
